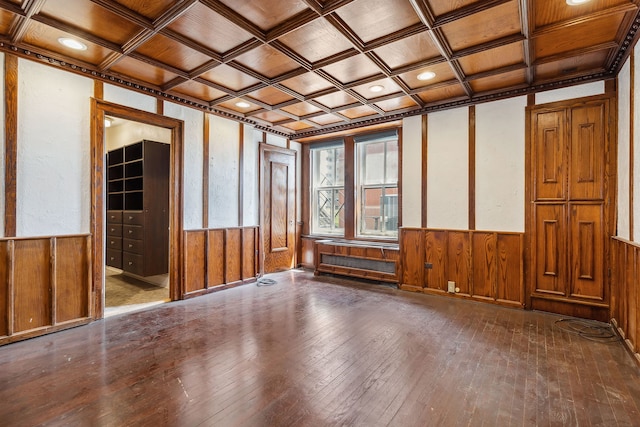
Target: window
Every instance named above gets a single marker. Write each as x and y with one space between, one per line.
377 185
353 186
328 196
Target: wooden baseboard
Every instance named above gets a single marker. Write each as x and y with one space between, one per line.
599 312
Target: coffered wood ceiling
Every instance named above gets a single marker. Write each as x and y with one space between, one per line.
305 67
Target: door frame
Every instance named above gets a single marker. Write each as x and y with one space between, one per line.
264 148
99 109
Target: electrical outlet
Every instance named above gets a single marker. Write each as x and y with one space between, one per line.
451 287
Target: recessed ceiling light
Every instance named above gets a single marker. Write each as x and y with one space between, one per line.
427 75
576 2
243 104
376 88
72 43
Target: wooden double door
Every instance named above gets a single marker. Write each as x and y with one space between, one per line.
570 218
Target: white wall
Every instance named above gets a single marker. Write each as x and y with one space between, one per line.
624 110
193 162
251 201
125 132
578 91
122 96
223 172
500 146
448 169
276 140
53 178
412 171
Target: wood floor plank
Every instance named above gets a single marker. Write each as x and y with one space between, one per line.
319 351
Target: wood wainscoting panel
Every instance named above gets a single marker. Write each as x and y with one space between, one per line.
72 273
625 292
459 260
32 281
436 254
485 265
233 252
307 259
6 312
45 285
249 247
412 250
194 268
586 177
510 269
219 258
216 258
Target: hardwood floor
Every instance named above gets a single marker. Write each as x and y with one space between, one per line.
310 351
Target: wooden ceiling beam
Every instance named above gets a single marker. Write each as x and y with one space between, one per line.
615 10
293 55
466 11
21 22
291 24
191 44
233 16
346 31
427 17
158 64
576 52
526 23
75 31
497 71
493 44
412 30
124 12
334 58
243 48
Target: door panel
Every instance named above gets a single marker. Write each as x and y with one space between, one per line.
278 216
587 153
550 249
587 251
549 155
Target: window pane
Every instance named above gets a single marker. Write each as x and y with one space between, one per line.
324 216
338 209
392 163
339 168
371 214
372 163
390 209
328 167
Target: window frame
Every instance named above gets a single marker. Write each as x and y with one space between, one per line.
350 207
360 143
315 190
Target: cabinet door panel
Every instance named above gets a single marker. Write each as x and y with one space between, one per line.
549 155
587 153
587 251
550 249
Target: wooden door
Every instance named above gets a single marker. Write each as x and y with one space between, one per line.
278 185
570 218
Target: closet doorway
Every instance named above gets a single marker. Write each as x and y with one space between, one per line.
136 208
137 212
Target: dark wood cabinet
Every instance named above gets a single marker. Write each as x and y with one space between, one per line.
138 208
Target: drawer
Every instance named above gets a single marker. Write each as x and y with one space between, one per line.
114 258
114 243
133 246
114 217
132 232
132 263
133 217
114 230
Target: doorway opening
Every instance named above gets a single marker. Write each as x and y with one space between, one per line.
168 236
137 215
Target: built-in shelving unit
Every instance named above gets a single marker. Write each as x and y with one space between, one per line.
138 208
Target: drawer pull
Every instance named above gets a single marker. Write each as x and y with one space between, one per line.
112 258
130 217
111 242
113 229
130 263
130 245
130 231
